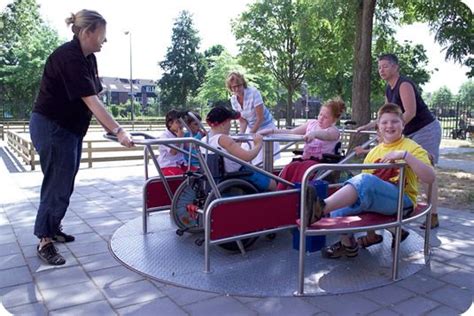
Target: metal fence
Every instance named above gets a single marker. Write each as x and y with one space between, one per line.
456 119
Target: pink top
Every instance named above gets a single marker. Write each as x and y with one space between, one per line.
317 147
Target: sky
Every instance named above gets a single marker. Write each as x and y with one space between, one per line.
151 23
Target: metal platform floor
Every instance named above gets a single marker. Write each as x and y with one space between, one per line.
268 269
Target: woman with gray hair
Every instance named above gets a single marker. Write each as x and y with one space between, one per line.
67 99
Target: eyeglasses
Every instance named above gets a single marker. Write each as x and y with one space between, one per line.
236 86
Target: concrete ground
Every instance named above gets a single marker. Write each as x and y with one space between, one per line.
93 283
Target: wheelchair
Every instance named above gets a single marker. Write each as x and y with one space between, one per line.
195 194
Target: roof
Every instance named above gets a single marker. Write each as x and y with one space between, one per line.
123 84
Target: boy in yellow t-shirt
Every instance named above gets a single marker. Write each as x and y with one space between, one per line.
374 190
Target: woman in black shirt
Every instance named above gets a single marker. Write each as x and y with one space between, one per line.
67 99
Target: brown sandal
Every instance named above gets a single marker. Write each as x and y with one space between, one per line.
365 242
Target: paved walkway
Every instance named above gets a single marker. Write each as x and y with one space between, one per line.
94 283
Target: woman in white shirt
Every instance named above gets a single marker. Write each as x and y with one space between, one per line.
254 115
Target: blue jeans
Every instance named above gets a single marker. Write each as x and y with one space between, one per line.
374 195
60 155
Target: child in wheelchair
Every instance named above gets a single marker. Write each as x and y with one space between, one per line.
375 190
321 136
171 161
195 132
219 119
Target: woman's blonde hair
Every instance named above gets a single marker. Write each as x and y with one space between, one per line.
85 20
336 106
235 77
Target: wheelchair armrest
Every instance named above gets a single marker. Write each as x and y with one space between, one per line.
237 174
331 158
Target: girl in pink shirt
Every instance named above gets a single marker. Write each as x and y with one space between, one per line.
321 136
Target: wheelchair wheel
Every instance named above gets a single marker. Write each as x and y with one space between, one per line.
185 195
228 188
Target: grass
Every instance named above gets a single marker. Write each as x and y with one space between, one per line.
455 189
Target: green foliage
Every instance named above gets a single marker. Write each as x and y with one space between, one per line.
114 110
214 89
441 97
466 93
268 36
451 21
184 67
26 43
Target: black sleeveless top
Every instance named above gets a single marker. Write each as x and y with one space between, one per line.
423 115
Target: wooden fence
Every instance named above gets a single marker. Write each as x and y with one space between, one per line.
94 150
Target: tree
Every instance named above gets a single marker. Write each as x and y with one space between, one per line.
26 42
213 51
214 89
268 36
466 94
184 67
362 61
442 97
451 20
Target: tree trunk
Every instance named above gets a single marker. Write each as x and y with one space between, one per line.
362 64
289 108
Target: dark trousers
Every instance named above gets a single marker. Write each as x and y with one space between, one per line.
60 155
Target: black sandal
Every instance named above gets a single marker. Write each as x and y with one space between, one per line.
365 242
405 234
49 254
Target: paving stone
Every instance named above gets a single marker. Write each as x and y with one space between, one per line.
15 276
38 265
415 306
218 306
420 283
55 278
7 238
388 295
359 305
71 295
126 216
87 249
10 248
245 299
11 261
443 311
87 237
98 262
384 312
36 309
19 295
440 254
25 237
455 297
282 306
114 276
100 308
463 262
438 269
78 229
162 306
131 293
460 278
184 296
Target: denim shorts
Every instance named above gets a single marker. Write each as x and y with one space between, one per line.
374 195
261 181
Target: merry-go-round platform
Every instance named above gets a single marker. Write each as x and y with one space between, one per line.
269 267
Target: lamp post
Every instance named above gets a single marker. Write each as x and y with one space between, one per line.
129 33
